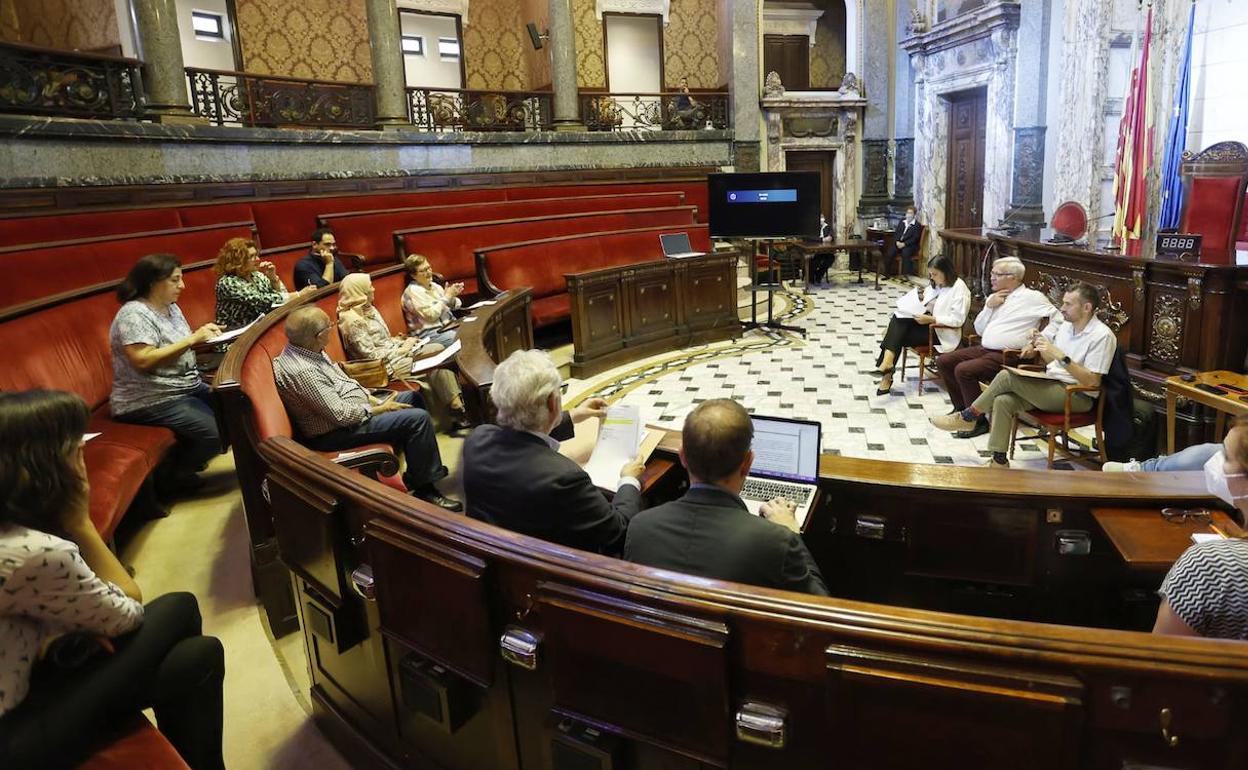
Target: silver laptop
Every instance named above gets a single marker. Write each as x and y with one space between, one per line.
677 246
786 464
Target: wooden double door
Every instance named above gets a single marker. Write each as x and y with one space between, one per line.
964 183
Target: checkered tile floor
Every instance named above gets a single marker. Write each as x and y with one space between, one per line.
825 377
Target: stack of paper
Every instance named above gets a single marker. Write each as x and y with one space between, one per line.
433 362
621 437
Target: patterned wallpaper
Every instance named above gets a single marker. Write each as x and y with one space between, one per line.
318 39
64 24
690 44
591 65
827 58
493 52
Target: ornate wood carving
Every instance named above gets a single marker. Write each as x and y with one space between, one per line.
41 81
875 166
1193 292
1111 313
1167 329
1137 281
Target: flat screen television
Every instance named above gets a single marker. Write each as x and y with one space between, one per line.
782 204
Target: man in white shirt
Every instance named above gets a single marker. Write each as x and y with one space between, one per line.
1010 314
1078 351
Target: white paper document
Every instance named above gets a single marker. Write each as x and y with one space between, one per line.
432 362
88 436
1205 537
482 303
910 305
227 336
467 319
619 440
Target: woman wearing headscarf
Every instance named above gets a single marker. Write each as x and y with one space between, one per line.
365 335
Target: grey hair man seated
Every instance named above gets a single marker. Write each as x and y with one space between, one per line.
709 532
514 476
331 411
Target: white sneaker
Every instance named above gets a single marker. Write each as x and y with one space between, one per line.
1131 466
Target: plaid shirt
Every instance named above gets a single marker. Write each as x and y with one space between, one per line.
318 396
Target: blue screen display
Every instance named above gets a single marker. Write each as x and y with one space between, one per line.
762 196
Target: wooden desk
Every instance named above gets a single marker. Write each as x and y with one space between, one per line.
1147 542
1223 405
864 248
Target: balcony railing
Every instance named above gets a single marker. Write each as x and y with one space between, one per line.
668 110
46 81
458 109
226 96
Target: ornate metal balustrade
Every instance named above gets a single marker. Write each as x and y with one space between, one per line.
226 96
669 110
45 81
457 109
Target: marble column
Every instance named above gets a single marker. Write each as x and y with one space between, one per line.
878 47
1030 109
744 87
906 24
388 79
164 79
566 113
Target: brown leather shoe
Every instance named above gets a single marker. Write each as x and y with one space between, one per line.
952 422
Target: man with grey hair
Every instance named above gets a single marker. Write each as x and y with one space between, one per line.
331 411
514 476
1010 314
709 532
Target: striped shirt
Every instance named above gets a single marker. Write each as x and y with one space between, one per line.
318 396
1207 588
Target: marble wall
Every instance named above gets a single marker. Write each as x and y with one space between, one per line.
317 39
64 24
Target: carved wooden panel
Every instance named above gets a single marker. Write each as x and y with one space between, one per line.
1165 328
711 297
621 663
652 300
600 325
310 538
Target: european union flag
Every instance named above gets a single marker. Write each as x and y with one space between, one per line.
1176 138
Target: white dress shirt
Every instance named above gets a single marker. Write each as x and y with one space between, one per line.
1009 325
950 309
1093 348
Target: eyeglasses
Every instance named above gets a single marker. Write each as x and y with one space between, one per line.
1001 275
1181 515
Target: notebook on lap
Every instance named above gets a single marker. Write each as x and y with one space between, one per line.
677 246
786 464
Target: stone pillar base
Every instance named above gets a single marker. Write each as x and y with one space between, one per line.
1026 214
174 116
568 125
746 156
870 206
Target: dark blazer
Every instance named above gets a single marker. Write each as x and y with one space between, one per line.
907 238
710 533
309 272
513 479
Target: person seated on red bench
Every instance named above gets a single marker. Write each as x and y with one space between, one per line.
515 477
426 304
155 378
1203 594
366 336
81 655
321 266
332 412
1009 316
246 287
1077 351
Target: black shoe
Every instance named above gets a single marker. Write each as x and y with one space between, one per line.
460 422
430 494
981 427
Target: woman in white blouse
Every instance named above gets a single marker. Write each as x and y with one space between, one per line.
82 655
944 302
427 304
366 336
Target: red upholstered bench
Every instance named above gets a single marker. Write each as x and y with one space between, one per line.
371 233
27 228
34 272
542 264
138 745
451 247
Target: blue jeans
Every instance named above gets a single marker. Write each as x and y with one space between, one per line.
1191 459
411 428
192 420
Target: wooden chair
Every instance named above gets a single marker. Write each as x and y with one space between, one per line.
924 353
1051 425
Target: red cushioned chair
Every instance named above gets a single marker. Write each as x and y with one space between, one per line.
924 353
1051 425
137 745
1214 182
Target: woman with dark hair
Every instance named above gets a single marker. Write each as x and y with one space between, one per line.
944 302
155 379
82 656
247 287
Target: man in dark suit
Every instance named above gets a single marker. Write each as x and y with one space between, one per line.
514 476
905 242
321 266
709 532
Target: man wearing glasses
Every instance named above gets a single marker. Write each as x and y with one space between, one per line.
1009 316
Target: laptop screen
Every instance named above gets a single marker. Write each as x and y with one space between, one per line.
675 243
785 449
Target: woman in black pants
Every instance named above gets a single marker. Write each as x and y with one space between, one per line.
82 656
945 303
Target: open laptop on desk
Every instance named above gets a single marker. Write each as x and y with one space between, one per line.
786 464
677 246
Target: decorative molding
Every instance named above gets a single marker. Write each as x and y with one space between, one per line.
903 173
1193 293
1110 313
1167 329
791 19
874 200
1028 183
967 27
457 7
657 7
1137 282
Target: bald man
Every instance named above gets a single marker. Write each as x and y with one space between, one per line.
331 411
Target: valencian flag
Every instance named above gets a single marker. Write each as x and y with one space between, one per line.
1176 139
1135 149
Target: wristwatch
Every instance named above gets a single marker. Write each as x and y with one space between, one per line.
1065 360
